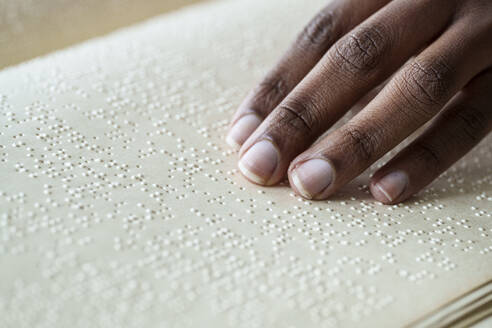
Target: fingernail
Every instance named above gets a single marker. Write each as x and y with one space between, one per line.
392 185
242 129
312 177
259 163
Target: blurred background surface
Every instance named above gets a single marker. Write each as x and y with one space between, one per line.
31 28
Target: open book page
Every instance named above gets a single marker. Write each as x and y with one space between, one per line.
121 205
30 28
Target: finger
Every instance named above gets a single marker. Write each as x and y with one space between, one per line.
416 93
465 121
351 68
332 22
366 99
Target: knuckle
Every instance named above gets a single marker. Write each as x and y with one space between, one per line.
362 144
320 30
363 50
296 115
270 92
426 83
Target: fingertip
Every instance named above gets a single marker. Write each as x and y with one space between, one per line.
312 178
379 194
390 188
232 142
298 187
259 162
242 129
250 175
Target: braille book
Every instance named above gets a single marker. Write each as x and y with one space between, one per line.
121 204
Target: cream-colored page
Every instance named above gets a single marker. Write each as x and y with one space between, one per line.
30 28
121 205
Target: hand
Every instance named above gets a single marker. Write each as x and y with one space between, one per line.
437 57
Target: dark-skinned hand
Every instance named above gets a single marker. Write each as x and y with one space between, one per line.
416 60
